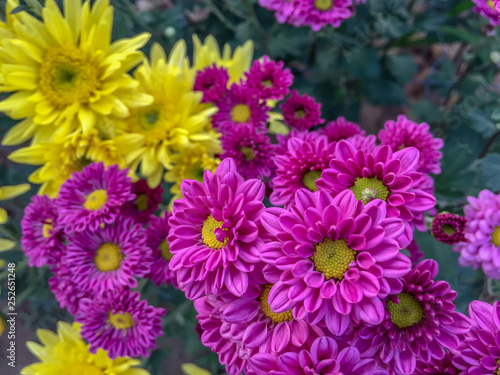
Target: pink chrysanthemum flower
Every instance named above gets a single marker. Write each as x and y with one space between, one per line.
435 366
301 111
479 353
120 323
305 135
108 258
336 258
268 79
43 236
482 233
145 203
284 9
212 82
406 133
488 9
214 233
299 167
156 240
93 196
341 129
251 151
384 175
420 322
449 228
66 290
320 13
240 106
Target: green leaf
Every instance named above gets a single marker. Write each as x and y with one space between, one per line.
490 165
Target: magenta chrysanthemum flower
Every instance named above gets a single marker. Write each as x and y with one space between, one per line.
479 353
437 366
240 106
212 82
299 167
214 233
320 13
145 203
268 79
341 129
449 228
301 111
488 9
120 323
420 322
405 133
384 175
43 236
93 196
108 258
336 258
482 233
156 240
66 290
251 151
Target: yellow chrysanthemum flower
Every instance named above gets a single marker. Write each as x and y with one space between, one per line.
7 192
64 72
65 352
175 120
208 53
192 369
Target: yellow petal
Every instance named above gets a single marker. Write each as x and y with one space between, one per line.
7 192
3 216
20 133
34 155
73 13
192 369
6 245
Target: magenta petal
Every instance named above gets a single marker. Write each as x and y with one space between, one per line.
255 334
370 310
278 298
241 311
281 337
236 281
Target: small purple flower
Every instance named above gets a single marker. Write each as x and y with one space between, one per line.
145 203
320 13
449 228
93 197
120 323
301 111
212 82
268 79
341 129
284 9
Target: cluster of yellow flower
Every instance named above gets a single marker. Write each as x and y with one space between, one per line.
78 102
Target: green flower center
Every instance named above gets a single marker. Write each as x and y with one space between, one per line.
367 189
300 113
323 4
495 236
332 258
165 250
149 117
208 235
407 312
121 320
264 306
248 153
240 113
96 200
448 229
309 179
108 257
142 202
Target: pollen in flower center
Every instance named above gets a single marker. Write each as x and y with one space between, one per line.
407 312
47 228
495 236
266 310
108 257
332 258
248 153
491 4
165 250
66 77
142 202
309 179
498 368
121 320
366 189
323 4
240 113
208 233
96 200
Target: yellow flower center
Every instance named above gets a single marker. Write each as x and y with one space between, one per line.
367 189
208 235
142 202
121 320
108 257
448 229
267 83
165 250
266 310
491 4
96 200
66 77
309 179
332 258
498 368
80 369
323 4
407 312
47 228
300 113
240 113
495 236
248 153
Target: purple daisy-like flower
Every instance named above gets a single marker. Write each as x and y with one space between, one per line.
214 233
43 237
299 167
156 240
488 9
479 353
66 290
93 196
251 151
120 323
268 79
109 258
435 366
482 232
406 133
384 175
449 228
420 322
212 82
301 111
240 106
337 258
320 13
145 203
341 129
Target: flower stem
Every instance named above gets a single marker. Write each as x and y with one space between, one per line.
489 144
